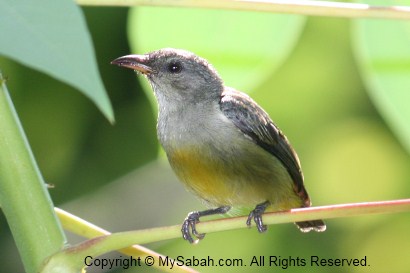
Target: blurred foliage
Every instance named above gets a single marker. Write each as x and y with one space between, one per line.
385 65
113 176
60 43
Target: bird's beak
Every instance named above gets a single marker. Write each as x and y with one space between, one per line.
135 62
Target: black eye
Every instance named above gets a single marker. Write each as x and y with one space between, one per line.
175 67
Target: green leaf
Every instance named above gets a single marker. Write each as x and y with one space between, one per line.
245 47
382 50
52 36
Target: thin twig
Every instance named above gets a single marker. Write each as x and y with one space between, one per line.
124 239
303 7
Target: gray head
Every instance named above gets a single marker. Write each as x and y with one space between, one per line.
176 75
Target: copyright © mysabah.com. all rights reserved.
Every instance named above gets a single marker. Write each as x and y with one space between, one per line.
208 261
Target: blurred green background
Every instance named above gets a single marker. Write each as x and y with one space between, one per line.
306 72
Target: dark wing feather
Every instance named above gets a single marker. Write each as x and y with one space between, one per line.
254 122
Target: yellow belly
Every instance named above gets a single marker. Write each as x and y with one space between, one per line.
239 182
203 177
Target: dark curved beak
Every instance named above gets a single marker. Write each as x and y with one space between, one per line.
135 62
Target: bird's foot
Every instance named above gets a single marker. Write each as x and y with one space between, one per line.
189 228
256 215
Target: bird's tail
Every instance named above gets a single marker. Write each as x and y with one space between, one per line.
316 225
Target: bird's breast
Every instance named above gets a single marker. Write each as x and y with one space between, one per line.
192 125
218 163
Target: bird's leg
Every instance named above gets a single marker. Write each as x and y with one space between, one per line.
189 226
256 215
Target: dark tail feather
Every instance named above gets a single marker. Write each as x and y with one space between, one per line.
316 225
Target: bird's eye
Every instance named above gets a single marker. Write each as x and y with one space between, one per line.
174 67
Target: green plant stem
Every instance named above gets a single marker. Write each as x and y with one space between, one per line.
23 195
86 229
74 256
312 8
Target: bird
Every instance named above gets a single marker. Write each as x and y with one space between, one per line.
220 143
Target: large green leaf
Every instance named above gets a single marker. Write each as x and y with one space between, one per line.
382 50
245 47
52 36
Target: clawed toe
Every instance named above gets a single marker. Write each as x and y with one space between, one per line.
189 225
256 215
189 228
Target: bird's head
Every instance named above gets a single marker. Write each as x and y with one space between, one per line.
176 74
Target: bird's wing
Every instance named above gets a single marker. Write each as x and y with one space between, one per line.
254 122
